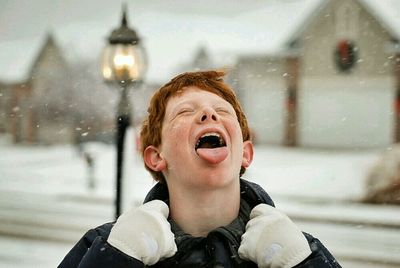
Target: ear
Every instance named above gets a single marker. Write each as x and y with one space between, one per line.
153 159
248 152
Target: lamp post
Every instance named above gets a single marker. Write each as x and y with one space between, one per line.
124 65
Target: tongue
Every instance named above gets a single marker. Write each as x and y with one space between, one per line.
213 155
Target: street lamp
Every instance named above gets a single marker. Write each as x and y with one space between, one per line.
123 64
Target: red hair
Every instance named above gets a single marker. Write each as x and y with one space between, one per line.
209 81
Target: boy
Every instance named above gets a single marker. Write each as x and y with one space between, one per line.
196 144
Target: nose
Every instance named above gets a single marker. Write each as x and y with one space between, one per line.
208 114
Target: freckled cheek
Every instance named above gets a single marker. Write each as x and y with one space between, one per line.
178 133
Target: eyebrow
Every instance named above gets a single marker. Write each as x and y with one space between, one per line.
180 104
176 109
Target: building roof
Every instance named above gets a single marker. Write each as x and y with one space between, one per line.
17 58
384 11
171 39
387 12
282 32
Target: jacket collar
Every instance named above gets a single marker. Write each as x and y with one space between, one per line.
251 192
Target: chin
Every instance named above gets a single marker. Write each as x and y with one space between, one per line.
216 180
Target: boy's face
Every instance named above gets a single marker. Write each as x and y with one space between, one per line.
202 144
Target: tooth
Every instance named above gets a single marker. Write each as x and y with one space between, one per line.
211 134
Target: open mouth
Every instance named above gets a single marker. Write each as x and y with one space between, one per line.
210 140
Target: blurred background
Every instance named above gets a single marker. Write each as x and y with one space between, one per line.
319 81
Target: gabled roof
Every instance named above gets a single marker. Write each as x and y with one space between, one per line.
387 15
282 31
17 58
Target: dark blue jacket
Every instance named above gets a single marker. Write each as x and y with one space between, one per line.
218 249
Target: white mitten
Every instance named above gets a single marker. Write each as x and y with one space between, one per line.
144 233
272 240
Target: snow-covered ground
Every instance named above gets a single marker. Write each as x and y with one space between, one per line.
47 187
296 172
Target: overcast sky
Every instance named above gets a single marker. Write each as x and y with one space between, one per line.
27 18
171 30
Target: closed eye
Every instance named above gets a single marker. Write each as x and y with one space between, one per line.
185 111
223 111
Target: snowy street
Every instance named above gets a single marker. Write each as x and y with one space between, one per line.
46 206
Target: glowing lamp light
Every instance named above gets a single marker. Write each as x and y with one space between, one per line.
123 59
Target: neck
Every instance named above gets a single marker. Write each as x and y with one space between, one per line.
199 212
